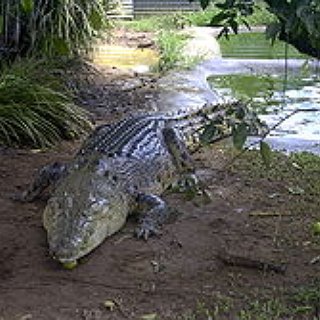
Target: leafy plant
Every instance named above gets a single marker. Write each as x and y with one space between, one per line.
232 13
170 45
297 22
238 122
33 111
48 28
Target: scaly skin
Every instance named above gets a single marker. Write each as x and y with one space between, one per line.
120 168
92 201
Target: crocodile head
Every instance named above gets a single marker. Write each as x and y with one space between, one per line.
86 207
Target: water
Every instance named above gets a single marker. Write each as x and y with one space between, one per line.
253 69
274 99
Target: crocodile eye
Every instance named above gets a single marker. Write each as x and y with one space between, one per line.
54 205
97 203
102 168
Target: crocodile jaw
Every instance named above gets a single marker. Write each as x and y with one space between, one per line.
69 250
71 239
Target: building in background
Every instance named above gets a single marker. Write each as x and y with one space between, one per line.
133 8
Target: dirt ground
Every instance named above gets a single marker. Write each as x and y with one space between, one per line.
182 274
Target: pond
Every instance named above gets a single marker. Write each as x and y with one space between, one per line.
251 70
274 99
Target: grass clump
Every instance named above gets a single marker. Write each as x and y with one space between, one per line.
34 112
306 300
272 309
170 46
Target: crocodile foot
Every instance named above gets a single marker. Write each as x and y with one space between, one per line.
146 229
156 212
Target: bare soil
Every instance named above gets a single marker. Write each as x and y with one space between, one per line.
180 274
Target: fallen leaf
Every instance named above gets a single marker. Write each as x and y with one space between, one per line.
296 165
70 265
316 228
315 260
109 304
267 214
296 190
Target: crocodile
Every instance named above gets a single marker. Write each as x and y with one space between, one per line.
122 167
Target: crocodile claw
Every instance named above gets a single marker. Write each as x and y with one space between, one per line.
145 230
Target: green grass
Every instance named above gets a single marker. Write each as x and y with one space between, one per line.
34 109
255 45
170 46
201 18
289 300
300 303
156 23
219 307
261 16
306 300
271 309
170 43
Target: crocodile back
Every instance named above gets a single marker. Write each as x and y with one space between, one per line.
141 136
138 137
134 150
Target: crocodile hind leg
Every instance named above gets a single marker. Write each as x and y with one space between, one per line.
46 176
156 213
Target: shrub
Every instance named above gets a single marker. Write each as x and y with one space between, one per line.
48 28
170 46
33 110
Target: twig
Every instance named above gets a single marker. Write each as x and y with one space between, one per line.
268 214
240 261
315 260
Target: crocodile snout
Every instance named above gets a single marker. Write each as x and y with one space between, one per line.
64 252
62 257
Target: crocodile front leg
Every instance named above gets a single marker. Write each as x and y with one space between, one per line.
156 212
46 176
189 182
178 151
